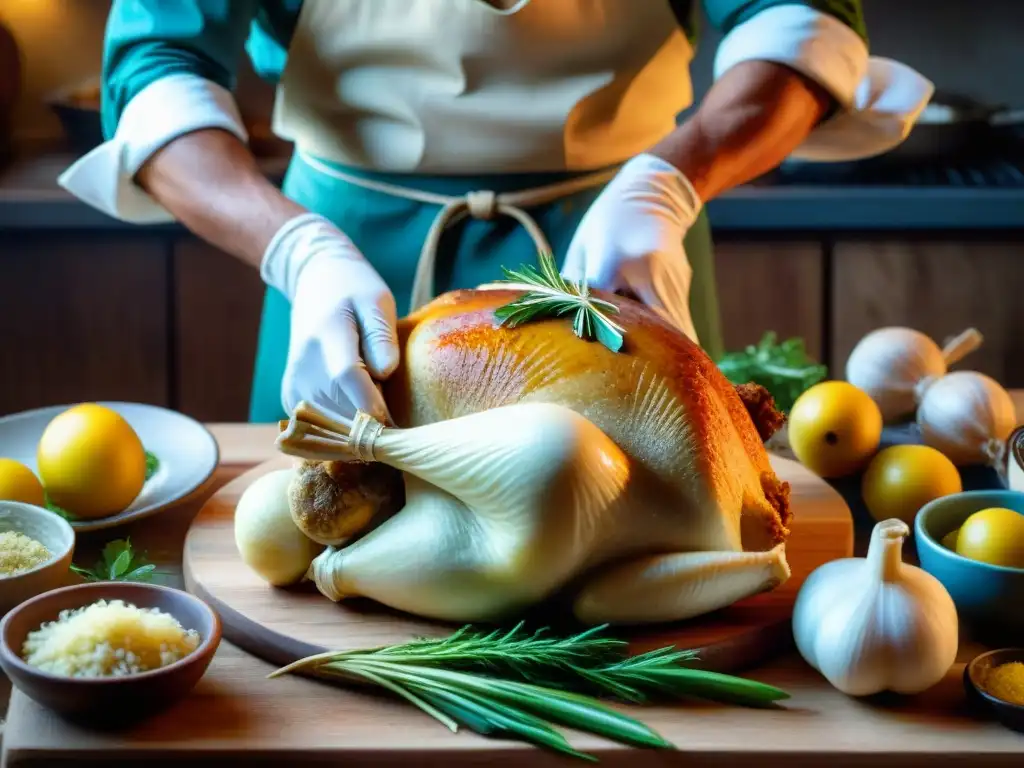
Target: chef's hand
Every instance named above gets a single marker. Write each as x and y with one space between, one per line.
631 239
343 319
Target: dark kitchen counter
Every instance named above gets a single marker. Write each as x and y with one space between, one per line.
30 199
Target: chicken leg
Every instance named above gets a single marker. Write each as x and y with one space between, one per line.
678 586
435 558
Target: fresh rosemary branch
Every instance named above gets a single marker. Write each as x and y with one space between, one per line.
548 295
516 683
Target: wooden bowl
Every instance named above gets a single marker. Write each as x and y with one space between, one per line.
109 701
1009 714
50 530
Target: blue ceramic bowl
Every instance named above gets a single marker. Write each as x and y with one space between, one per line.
988 597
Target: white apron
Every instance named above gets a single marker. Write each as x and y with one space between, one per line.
426 87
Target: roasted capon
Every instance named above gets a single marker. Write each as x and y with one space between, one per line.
525 461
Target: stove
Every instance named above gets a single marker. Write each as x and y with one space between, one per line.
998 166
994 172
982 192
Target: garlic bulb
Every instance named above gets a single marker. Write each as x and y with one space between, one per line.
506 506
893 365
876 624
968 416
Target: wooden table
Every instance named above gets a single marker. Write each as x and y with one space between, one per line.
236 713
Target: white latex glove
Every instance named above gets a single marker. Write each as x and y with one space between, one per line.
342 315
631 239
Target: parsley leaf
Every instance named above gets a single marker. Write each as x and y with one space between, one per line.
118 563
784 369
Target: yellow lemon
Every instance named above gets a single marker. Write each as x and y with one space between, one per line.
995 536
949 540
19 483
91 461
834 428
902 479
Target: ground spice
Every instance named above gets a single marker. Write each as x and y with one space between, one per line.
1005 682
20 553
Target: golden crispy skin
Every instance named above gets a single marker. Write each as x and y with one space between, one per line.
660 398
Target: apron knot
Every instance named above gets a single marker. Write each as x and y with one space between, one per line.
482 204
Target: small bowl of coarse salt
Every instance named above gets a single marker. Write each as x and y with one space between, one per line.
108 654
36 547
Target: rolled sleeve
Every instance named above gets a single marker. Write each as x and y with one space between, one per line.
168 70
878 100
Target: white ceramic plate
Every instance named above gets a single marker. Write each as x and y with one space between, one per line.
186 451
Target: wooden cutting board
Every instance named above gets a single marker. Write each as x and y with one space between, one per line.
282 625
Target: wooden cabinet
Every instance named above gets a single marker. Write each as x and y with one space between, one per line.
939 288
83 317
771 287
160 317
154 318
217 306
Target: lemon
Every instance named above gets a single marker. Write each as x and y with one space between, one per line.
949 540
902 479
91 461
19 483
995 536
834 428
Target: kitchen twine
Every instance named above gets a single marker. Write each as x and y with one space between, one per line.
479 204
363 435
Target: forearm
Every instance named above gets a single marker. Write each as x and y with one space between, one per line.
753 117
211 183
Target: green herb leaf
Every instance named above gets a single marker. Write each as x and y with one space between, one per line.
142 573
784 369
57 510
515 683
118 563
152 464
112 551
550 295
119 566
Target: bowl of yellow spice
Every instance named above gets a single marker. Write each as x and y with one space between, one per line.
36 547
995 680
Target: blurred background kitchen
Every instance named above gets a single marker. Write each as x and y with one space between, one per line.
929 236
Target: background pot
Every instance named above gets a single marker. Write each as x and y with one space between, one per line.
950 127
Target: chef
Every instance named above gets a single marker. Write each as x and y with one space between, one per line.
439 140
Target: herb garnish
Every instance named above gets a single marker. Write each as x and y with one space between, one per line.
548 294
118 563
152 465
784 369
516 684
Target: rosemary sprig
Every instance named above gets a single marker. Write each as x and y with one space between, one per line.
518 684
548 295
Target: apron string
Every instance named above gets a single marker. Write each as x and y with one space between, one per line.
482 204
